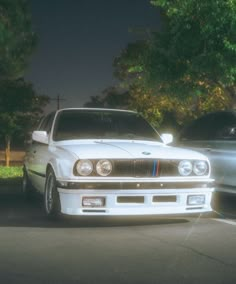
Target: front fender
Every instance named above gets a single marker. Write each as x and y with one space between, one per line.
62 163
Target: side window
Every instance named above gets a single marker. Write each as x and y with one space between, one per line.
48 126
199 129
227 133
226 127
219 125
42 124
47 122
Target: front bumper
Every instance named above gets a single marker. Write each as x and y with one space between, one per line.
136 201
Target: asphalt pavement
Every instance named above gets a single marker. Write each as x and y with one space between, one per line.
129 250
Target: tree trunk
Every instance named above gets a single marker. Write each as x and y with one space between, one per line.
7 151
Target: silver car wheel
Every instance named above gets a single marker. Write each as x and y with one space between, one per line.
27 188
24 182
49 189
51 196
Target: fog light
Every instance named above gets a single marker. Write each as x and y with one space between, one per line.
93 201
196 199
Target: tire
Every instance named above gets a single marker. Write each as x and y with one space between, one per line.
52 206
27 188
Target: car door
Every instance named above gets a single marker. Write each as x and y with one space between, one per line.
211 136
223 150
197 135
39 155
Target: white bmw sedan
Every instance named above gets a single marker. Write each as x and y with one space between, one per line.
112 162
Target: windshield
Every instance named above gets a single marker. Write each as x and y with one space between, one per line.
94 124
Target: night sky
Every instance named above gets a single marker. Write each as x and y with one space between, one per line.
78 40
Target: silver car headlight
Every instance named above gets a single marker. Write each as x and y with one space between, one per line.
200 168
185 168
84 167
104 167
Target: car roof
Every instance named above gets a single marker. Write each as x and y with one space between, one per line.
96 109
232 111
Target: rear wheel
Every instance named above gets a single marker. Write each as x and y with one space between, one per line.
27 188
52 205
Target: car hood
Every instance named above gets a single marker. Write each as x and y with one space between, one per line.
110 149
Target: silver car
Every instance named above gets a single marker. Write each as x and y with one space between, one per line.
215 136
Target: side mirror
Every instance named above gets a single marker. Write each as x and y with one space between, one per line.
167 138
40 136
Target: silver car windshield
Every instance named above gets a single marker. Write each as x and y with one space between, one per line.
94 124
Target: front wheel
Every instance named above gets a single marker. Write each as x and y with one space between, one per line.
52 205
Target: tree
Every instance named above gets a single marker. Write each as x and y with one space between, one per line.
20 108
17 40
19 105
196 50
111 97
186 68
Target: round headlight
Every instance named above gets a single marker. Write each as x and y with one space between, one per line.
104 167
185 168
200 168
84 167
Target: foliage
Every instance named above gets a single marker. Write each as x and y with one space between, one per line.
17 39
188 67
20 107
111 98
196 50
10 172
130 64
19 96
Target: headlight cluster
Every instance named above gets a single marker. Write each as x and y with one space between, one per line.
86 167
187 168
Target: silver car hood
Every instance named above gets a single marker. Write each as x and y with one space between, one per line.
120 149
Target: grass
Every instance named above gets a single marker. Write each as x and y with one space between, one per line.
10 175
10 172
